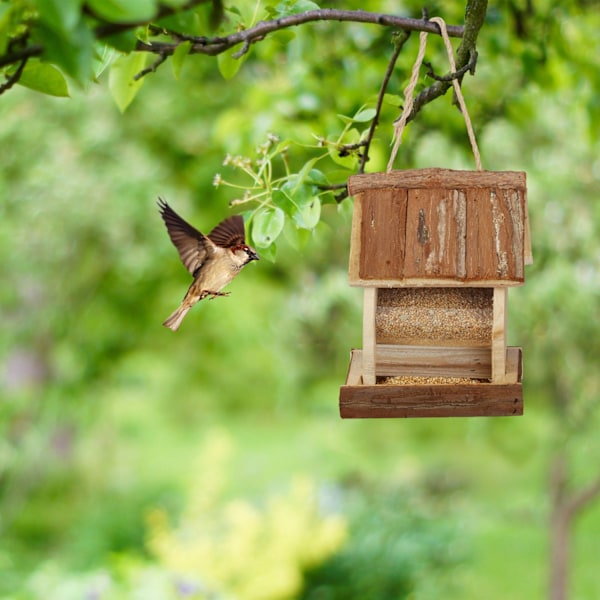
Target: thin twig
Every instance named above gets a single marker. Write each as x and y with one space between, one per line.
152 68
399 41
14 78
348 149
468 68
243 51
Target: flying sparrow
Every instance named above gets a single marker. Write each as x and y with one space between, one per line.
213 259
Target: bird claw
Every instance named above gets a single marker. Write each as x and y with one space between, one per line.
213 295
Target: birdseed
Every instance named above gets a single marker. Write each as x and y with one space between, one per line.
411 380
434 316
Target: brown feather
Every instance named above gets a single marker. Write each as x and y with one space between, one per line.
193 246
229 233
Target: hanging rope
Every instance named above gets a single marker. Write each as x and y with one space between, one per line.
400 124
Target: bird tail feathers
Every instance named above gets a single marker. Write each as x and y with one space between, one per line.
174 321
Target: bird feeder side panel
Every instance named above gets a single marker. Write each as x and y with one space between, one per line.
437 227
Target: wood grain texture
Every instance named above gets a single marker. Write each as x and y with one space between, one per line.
432 361
369 337
382 233
499 366
438 178
434 230
443 228
402 401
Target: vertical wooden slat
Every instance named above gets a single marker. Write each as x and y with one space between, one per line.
369 341
435 234
480 236
382 240
499 336
355 236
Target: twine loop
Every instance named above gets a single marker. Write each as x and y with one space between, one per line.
400 123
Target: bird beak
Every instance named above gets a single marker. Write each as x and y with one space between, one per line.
254 255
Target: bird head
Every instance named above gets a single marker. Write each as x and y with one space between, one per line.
243 254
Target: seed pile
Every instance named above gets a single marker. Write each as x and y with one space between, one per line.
434 316
411 380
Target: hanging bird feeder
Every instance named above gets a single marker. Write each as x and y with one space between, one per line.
436 251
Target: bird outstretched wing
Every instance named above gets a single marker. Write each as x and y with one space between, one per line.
229 233
193 246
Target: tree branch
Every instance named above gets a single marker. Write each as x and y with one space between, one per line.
218 45
580 499
474 18
399 41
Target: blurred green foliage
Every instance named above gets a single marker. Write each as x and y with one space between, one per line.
104 413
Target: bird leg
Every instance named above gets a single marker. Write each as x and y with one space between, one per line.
212 294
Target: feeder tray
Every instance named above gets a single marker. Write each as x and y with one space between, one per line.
435 251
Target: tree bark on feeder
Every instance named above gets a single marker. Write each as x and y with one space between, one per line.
435 251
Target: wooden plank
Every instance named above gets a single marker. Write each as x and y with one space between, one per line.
368 355
470 400
434 247
428 282
514 365
437 178
382 234
355 247
495 233
439 237
402 401
527 250
354 376
480 263
432 361
500 309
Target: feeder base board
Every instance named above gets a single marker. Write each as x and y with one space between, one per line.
480 399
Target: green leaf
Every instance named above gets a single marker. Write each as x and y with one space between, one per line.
269 253
293 7
123 11
351 136
72 51
309 215
181 53
121 81
345 119
267 224
317 177
296 236
304 172
305 5
364 115
104 57
284 201
283 37
306 210
44 78
5 21
61 15
228 65
125 41
393 100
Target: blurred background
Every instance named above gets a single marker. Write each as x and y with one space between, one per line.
212 463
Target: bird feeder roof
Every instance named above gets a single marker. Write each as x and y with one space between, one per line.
439 227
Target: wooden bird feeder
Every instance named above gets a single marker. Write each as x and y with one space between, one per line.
435 251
